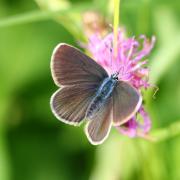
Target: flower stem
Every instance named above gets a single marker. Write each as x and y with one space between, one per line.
41 15
116 23
166 133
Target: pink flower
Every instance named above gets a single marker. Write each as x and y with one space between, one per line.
134 127
129 62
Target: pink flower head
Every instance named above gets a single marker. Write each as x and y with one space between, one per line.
133 127
129 62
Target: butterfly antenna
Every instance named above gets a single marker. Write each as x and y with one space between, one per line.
110 53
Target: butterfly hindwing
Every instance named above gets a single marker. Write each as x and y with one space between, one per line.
69 104
69 66
126 102
99 125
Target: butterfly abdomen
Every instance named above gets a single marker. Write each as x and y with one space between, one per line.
103 93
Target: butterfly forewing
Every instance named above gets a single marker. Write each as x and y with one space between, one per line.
126 102
70 66
99 125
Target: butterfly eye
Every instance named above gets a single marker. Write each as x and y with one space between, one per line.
115 78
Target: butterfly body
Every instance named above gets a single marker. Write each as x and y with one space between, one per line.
103 93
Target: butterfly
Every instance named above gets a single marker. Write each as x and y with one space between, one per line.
88 93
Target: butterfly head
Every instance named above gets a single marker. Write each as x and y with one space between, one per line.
115 76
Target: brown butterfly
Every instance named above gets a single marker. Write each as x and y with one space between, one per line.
87 93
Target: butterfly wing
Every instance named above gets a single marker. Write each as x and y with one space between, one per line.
80 77
69 104
126 102
69 66
99 125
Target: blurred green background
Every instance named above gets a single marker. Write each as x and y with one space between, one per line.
34 145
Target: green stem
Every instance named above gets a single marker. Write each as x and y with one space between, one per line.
166 133
116 23
25 18
40 15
